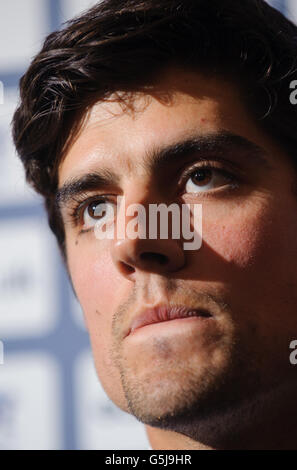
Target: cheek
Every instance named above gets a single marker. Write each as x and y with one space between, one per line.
94 277
255 237
251 251
97 287
239 236
234 243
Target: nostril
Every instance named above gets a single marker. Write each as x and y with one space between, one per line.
155 257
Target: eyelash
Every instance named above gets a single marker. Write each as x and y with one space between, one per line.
82 201
234 180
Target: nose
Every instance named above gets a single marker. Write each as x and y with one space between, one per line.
145 252
158 256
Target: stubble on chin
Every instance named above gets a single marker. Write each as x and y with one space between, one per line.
163 388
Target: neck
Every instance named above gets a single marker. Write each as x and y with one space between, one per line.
257 426
169 440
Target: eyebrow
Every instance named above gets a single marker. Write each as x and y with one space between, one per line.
88 182
222 142
157 158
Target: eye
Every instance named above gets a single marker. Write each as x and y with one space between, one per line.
206 178
99 211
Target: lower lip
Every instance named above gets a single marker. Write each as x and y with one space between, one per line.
171 326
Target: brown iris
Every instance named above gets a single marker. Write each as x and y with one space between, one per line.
93 207
201 176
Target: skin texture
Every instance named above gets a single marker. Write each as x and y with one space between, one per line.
228 382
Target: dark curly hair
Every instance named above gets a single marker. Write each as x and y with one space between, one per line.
122 45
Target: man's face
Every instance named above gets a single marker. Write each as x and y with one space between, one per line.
244 275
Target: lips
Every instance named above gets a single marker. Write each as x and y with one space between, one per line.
163 313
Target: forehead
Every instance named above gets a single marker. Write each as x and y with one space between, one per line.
119 137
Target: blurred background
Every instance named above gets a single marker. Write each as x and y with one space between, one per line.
50 396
